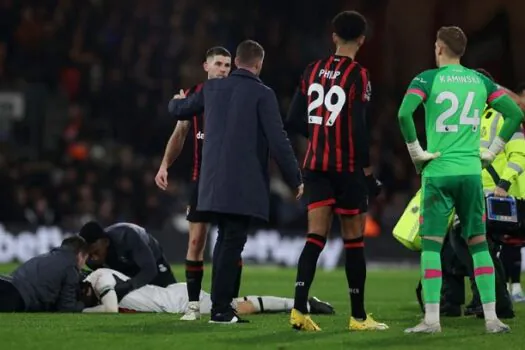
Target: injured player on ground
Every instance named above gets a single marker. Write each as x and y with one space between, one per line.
98 292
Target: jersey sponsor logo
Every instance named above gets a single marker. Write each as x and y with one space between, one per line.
329 74
199 135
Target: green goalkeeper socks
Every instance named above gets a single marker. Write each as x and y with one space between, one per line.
484 272
431 271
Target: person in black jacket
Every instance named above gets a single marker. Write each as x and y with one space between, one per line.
48 282
129 249
243 127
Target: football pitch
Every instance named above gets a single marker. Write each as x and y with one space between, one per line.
390 297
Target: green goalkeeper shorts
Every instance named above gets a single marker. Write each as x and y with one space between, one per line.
440 195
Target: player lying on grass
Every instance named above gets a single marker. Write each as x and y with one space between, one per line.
98 293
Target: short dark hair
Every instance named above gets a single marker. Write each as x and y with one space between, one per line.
218 51
520 88
249 51
455 40
485 73
76 244
92 232
349 25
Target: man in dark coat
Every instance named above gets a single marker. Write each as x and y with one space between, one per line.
242 127
48 282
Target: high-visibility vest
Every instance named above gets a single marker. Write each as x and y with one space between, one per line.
508 165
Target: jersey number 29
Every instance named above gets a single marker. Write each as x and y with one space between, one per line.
335 93
464 118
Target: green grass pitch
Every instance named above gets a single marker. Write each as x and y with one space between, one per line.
389 295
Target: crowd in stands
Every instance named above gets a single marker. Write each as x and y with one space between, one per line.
116 64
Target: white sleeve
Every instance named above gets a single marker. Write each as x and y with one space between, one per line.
104 284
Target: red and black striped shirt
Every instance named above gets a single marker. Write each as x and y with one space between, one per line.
197 127
333 94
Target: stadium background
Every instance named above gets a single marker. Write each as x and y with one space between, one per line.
84 86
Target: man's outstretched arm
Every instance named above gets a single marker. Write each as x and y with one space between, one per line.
184 108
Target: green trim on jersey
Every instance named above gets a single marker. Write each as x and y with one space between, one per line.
420 87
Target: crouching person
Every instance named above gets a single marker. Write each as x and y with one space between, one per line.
48 282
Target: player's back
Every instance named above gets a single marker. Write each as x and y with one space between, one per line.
455 98
148 298
337 89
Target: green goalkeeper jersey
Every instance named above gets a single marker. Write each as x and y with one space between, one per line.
454 98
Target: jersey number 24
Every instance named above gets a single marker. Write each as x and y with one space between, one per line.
464 118
333 102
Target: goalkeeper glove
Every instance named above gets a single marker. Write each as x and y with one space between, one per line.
419 156
488 156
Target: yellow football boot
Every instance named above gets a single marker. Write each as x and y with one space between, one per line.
302 322
367 325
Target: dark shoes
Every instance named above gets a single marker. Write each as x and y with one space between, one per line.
319 307
450 310
228 317
477 310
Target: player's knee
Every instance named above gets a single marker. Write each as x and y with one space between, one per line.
477 244
352 227
320 220
480 239
431 244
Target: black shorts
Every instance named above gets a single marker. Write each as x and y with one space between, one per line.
345 192
192 214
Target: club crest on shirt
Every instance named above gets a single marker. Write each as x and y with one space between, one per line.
368 91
